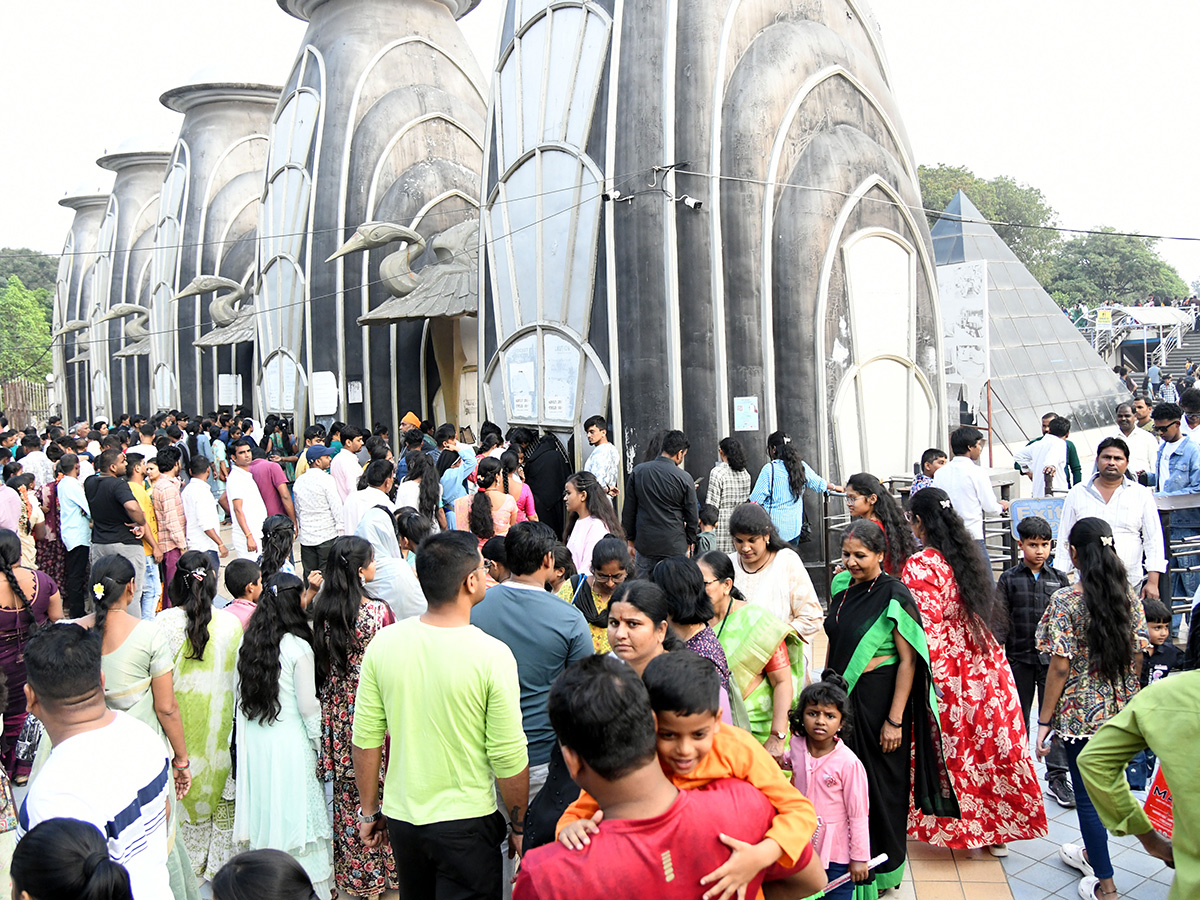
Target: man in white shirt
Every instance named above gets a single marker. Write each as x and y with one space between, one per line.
1189 401
346 468
201 521
318 509
246 505
35 462
1047 457
605 460
381 478
1143 445
1126 506
75 529
128 796
966 484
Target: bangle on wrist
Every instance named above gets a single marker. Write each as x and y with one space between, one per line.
515 830
893 724
1043 724
186 765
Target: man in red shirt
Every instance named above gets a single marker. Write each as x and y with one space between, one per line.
272 483
655 840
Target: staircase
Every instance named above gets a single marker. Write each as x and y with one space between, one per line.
1189 348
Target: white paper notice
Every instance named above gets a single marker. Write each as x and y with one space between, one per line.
324 394
354 392
745 414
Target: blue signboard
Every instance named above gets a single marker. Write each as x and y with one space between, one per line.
1049 508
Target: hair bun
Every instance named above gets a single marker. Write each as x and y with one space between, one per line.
93 862
830 676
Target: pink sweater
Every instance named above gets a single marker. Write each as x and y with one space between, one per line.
837 786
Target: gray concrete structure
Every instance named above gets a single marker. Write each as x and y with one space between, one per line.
72 298
381 120
206 224
687 204
121 294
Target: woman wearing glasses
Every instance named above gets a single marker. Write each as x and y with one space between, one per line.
591 594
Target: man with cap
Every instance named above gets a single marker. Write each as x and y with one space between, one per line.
318 507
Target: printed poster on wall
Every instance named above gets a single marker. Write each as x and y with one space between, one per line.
963 298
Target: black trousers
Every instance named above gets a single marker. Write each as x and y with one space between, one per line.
1030 678
77 573
454 860
315 557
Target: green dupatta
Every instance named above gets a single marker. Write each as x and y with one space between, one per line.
750 636
863 619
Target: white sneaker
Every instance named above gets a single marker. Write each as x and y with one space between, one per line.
1074 856
1088 886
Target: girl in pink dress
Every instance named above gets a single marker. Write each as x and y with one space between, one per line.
828 773
983 735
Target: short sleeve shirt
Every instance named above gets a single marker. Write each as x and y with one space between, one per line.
1088 700
268 476
107 496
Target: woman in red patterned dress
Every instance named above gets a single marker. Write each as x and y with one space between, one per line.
984 739
344 622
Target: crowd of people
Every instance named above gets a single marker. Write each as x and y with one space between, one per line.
485 674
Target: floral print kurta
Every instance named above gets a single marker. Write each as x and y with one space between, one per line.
357 869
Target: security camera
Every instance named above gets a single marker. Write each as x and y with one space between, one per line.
611 195
691 202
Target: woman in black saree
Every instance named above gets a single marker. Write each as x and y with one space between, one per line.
877 643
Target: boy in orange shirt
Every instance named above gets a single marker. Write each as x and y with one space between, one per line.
695 749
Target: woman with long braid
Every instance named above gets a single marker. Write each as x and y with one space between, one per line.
139 680
491 511
986 746
781 484
204 642
28 600
1094 632
344 622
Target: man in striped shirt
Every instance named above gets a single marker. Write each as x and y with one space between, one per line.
106 768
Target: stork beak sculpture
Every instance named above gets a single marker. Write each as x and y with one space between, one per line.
356 244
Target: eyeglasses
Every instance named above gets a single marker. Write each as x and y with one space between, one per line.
1163 429
609 579
714 581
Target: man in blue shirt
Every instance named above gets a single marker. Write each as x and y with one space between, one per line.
545 635
1177 471
75 529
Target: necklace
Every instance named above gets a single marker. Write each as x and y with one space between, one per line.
837 616
770 558
725 618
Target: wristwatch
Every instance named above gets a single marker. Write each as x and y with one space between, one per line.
782 735
364 819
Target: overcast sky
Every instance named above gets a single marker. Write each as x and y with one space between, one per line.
1095 104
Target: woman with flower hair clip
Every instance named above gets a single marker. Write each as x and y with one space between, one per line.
985 742
204 642
139 679
1094 632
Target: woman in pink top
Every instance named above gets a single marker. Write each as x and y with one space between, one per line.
590 516
827 772
491 511
515 486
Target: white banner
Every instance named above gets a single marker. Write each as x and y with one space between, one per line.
963 297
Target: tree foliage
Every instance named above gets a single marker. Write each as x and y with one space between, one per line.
1117 268
24 333
38 272
1000 199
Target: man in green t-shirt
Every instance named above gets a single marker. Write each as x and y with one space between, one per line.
448 696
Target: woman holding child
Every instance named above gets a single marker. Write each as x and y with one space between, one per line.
986 747
878 645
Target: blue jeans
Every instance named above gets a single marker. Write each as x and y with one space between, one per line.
1095 838
1139 770
151 590
846 891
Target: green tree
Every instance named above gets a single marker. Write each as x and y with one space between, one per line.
37 271
1119 268
24 333
1031 220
